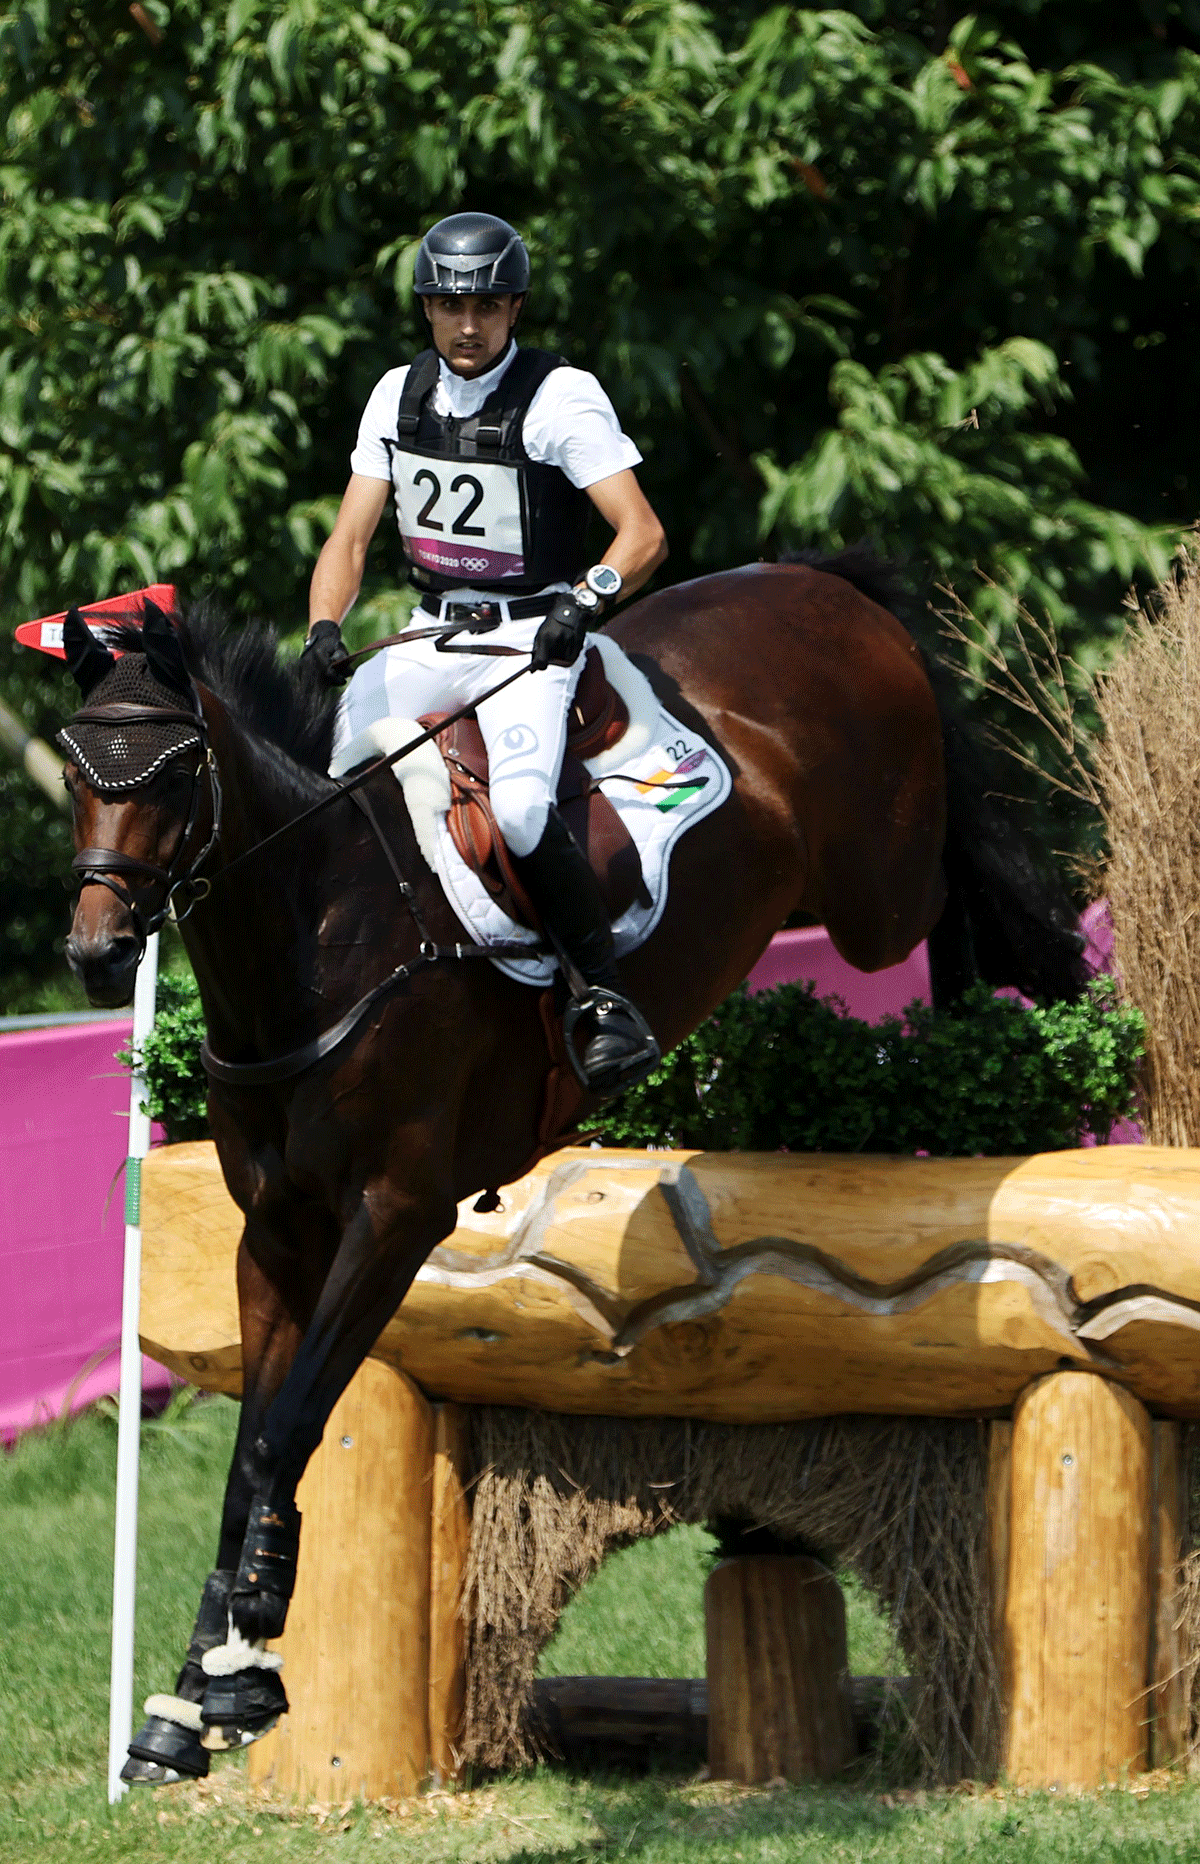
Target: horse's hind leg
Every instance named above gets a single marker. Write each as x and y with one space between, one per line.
176 1738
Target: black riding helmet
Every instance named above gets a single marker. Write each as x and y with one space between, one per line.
469 253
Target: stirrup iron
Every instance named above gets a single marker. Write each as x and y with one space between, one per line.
597 1002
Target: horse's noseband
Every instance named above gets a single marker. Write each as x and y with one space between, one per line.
111 867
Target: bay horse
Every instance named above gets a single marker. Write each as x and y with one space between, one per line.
856 800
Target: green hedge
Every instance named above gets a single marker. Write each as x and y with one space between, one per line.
786 1070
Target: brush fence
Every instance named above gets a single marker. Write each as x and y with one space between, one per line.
1054 1300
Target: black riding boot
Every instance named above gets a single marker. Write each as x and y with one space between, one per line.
618 1048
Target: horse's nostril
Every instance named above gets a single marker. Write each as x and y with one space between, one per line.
106 969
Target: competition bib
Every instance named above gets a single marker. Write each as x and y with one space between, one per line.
460 519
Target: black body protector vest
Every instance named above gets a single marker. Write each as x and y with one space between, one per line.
472 507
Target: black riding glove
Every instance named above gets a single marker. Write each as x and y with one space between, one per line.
326 649
559 640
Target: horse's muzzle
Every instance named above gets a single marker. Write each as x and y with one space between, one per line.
106 967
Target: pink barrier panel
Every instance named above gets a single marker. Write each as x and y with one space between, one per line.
808 956
64 1129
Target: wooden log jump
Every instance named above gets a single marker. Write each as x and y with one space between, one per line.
1057 1295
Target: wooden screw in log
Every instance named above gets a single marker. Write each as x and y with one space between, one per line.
778 1687
1078 1603
356 1647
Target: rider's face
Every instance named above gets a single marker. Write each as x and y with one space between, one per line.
472 331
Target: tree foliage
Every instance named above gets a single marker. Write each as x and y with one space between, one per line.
873 270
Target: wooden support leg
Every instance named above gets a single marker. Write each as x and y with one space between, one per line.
778 1685
1168 1683
451 1520
1077 1609
356 1647
993 1692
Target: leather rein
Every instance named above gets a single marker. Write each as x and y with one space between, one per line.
112 868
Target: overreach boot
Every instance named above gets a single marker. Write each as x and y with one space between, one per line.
618 1047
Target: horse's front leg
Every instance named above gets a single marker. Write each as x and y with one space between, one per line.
175 1741
381 1250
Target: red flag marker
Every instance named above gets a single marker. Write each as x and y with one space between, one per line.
46 633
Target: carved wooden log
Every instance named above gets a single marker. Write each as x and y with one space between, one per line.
754 1288
778 1671
356 1646
1078 1607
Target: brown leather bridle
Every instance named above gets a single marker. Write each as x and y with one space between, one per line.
112 868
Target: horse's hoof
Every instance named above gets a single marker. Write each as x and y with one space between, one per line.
163 1752
241 1708
221 1740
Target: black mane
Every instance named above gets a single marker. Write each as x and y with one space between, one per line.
274 697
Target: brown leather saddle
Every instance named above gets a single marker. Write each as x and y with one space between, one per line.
599 717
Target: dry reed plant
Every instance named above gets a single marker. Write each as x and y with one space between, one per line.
901 1500
1036 682
1147 766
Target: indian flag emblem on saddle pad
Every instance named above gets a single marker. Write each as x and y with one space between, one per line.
679 792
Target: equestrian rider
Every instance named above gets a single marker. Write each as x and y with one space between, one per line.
495 456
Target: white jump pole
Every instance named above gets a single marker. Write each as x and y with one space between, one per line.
120 1692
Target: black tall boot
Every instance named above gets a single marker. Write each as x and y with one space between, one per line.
618 1047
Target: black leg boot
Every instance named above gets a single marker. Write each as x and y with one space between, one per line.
618 1047
167 1746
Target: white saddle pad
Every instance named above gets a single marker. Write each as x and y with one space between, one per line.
655 751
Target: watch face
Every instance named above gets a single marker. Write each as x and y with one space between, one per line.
605 580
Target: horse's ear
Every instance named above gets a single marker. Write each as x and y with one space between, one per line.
164 656
88 660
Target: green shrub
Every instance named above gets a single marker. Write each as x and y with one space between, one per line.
177 1088
786 1069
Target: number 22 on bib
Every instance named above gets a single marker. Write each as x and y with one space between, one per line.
458 521
472 507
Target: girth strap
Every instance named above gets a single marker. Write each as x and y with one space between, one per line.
287 1067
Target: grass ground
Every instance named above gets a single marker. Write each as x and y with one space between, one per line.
641 1615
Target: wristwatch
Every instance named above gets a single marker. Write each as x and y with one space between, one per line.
606 582
600 586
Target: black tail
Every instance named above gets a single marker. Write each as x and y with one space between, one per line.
1008 919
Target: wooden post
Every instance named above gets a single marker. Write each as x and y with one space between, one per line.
356 1647
1168 1683
451 1541
1077 1615
992 1693
778 1685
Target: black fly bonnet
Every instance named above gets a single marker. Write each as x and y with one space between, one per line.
140 710
118 754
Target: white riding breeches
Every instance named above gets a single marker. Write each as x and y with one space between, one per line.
524 727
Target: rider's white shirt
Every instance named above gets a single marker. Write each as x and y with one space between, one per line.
570 423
